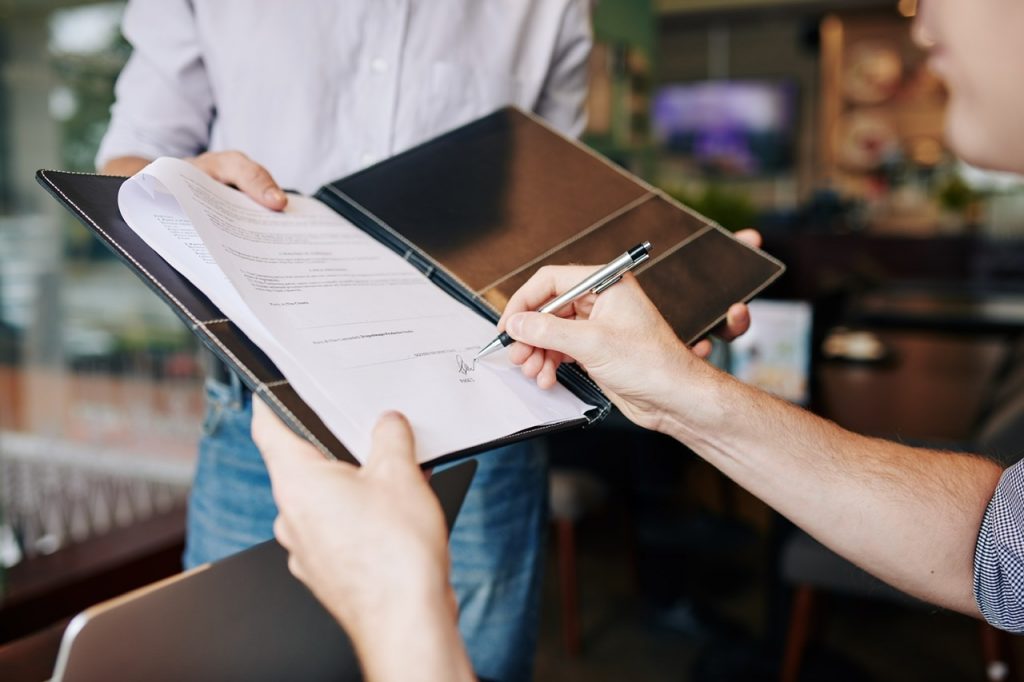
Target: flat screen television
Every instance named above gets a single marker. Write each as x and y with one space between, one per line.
728 128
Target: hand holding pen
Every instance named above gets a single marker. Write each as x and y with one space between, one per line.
610 335
596 282
618 337
598 328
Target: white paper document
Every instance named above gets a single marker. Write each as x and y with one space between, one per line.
355 329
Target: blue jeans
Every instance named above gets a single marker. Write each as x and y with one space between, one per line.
496 547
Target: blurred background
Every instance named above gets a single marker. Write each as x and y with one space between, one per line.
815 122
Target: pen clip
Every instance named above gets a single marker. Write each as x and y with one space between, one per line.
615 280
604 285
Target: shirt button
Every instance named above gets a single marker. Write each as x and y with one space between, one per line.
367 158
379 65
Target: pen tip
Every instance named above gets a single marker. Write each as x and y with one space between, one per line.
488 349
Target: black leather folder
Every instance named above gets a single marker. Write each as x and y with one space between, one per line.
477 211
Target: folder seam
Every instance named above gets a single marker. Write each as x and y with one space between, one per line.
675 247
617 213
650 188
264 390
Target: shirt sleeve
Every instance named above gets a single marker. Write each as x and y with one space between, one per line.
163 100
999 555
564 96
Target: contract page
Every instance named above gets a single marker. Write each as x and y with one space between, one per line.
356 329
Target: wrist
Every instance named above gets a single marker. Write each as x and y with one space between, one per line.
415 639
393 601
124 165
690 401
412 637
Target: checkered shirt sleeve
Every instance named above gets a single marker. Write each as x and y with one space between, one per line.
999 555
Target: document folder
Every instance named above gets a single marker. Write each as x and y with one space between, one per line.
477 210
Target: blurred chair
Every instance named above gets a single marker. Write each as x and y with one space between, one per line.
812 569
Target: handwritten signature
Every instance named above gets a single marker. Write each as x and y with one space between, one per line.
465 368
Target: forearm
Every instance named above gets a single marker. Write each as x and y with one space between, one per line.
909 516
419 641
124 165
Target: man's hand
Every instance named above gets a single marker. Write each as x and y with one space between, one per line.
231 168
370 543
237 169
619 337
358 536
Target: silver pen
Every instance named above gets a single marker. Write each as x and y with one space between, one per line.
595 283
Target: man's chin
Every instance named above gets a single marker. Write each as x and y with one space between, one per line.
976 142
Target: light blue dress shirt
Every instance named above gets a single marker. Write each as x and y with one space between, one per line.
316 89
